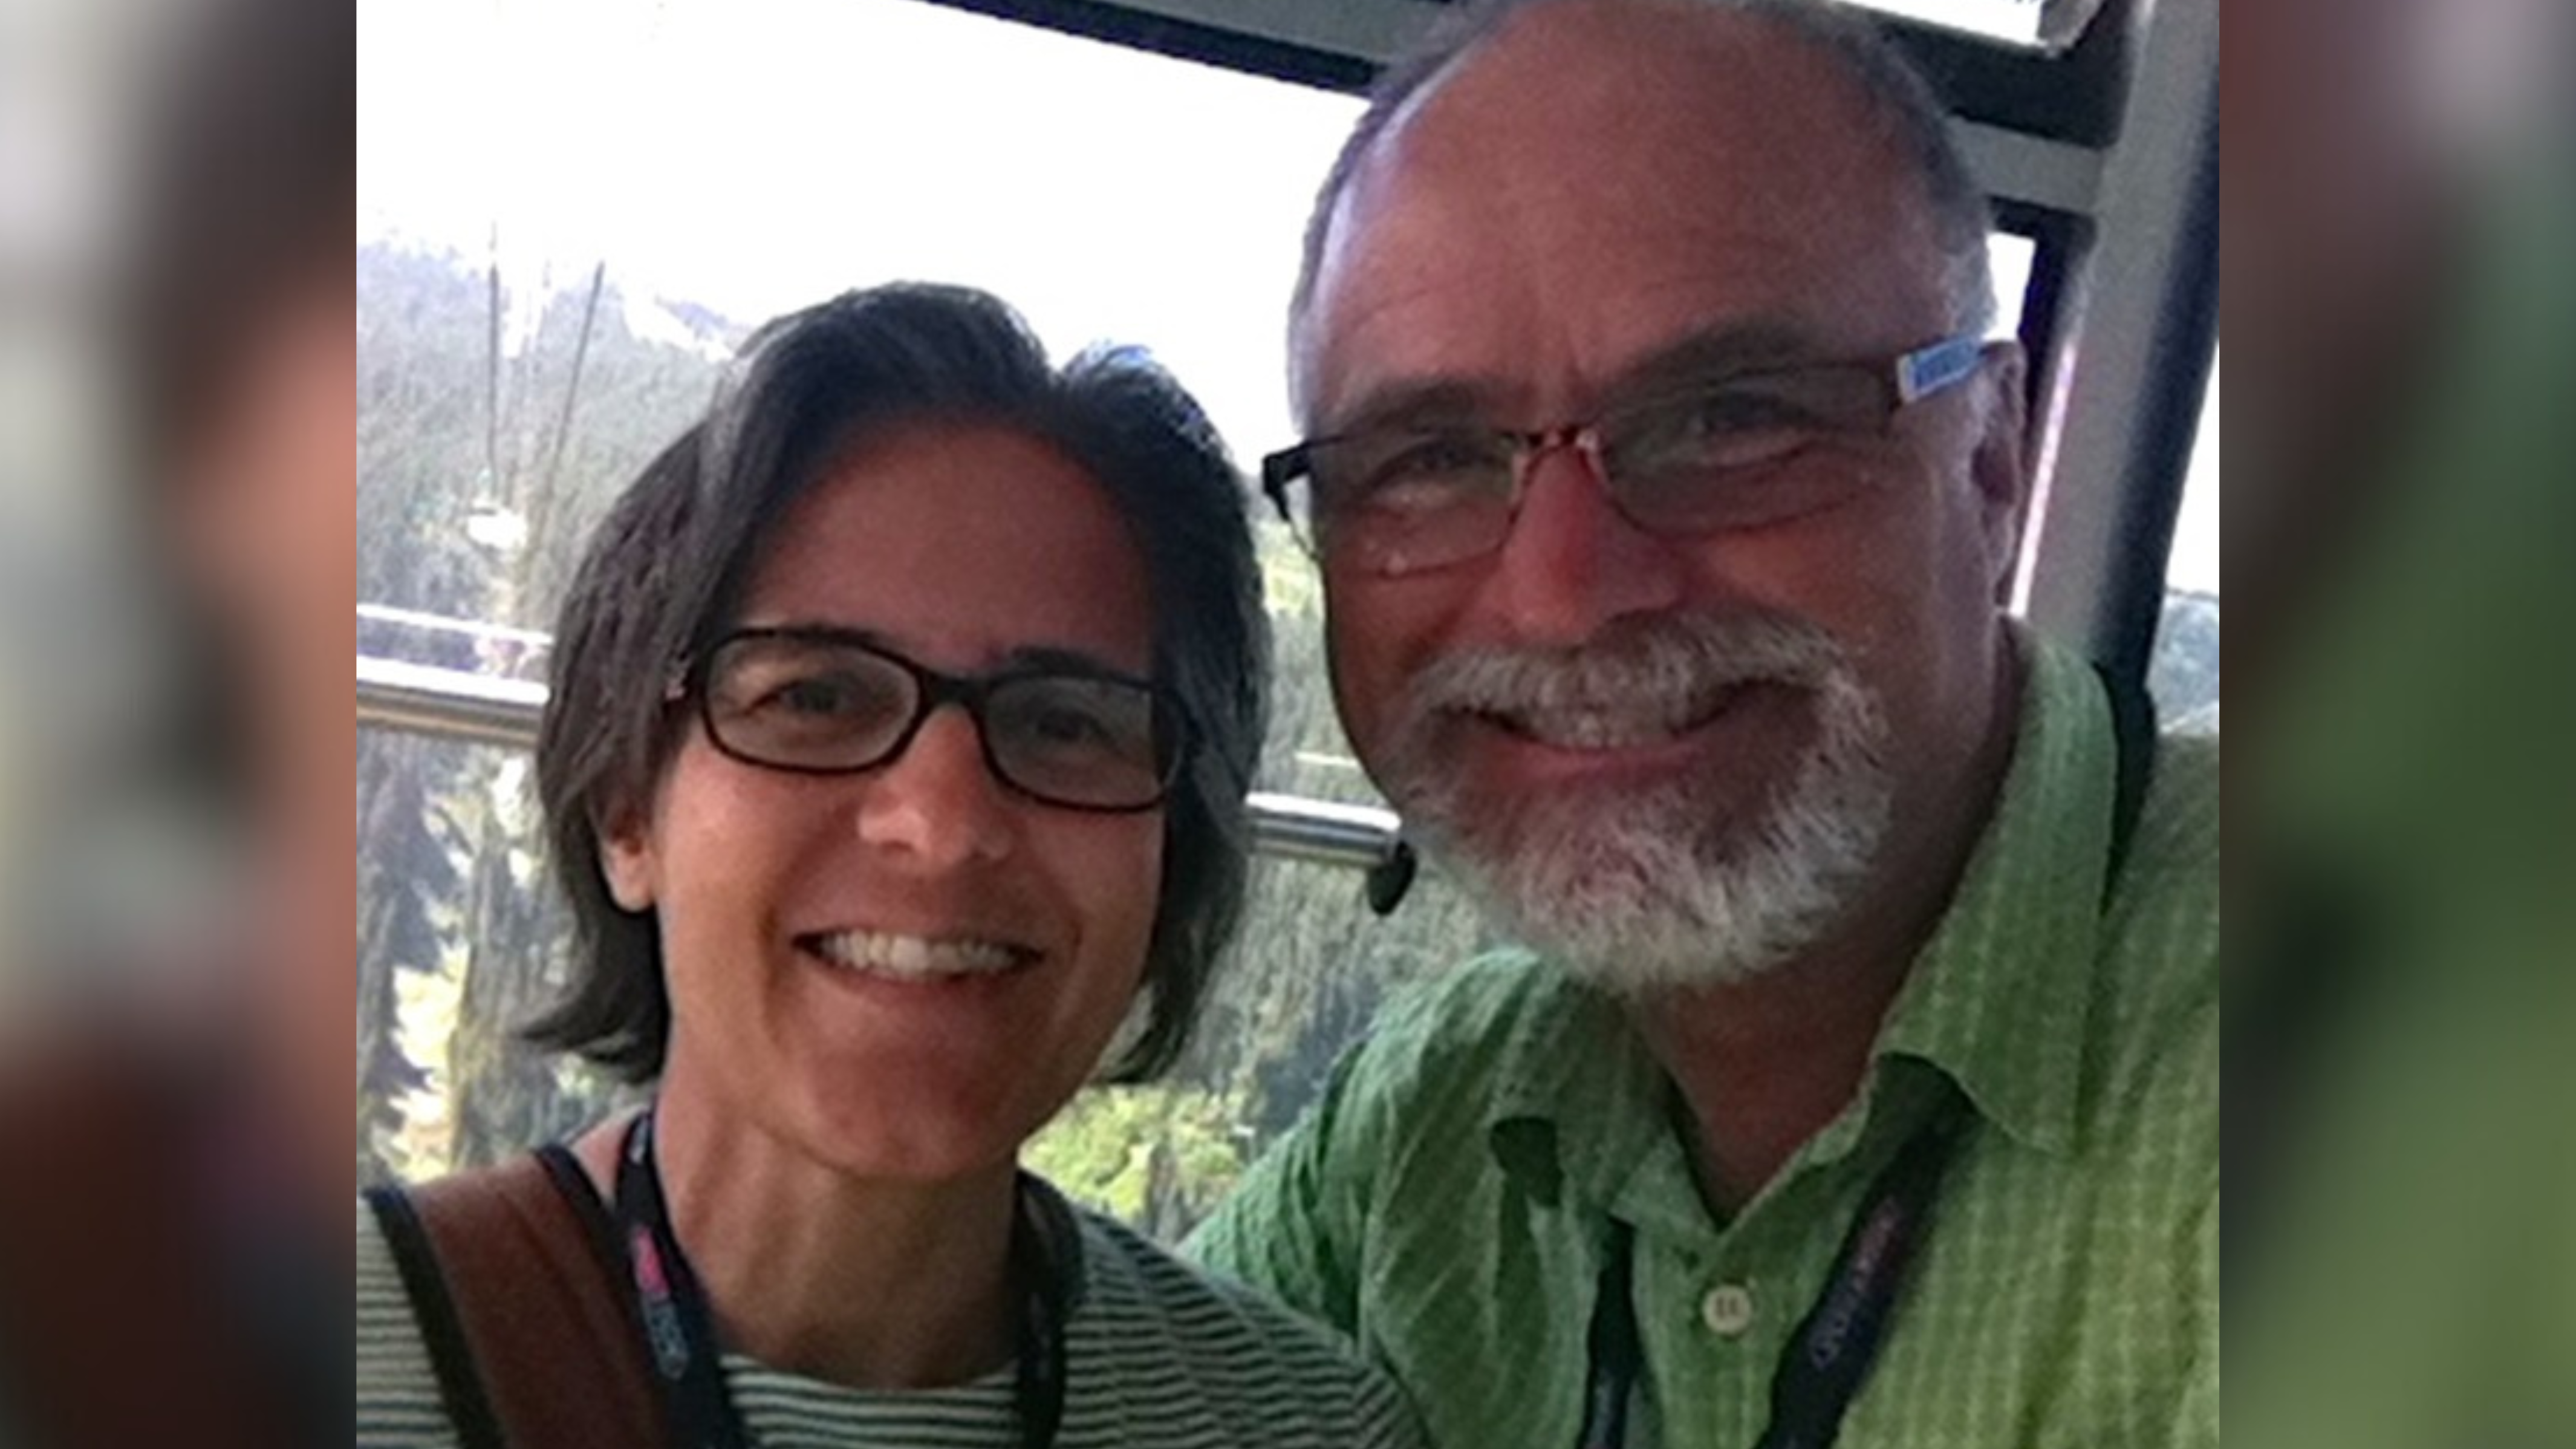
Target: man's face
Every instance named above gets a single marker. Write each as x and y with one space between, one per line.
1669 759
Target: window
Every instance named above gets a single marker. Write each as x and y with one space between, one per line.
569 217
2184 674
568 220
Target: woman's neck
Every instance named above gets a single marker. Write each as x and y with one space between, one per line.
861 1282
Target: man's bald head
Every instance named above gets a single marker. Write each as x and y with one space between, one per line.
1908 115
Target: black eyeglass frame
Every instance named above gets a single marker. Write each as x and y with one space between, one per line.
1907 378
933 690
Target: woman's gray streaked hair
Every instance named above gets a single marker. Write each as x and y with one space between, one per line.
664 574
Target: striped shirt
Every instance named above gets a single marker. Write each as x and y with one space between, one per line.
1158 1357
1449 1200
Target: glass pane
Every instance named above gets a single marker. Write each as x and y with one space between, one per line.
2184 676
460 941
550 276
1304 982
549 281
2017 21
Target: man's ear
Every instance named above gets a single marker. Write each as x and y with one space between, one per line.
2000 467
627 860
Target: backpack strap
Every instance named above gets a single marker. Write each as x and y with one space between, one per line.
521 1296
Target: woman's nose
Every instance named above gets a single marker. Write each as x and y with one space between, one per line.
938 800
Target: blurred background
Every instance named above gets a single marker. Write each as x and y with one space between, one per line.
2399 234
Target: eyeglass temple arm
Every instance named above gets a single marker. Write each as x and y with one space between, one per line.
1927 370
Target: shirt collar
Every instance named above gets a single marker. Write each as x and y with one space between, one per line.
1997 1001
1998 998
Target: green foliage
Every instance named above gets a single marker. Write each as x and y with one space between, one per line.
1157 1156
463 452
2184 675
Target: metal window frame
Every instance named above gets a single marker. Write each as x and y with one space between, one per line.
2086 150
2076 148
455 705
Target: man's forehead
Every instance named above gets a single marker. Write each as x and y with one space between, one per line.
1604 193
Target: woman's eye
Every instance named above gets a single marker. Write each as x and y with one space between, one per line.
813 696
1068 727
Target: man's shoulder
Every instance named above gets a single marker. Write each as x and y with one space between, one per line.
1455 1039
2157 997
2164 908
2178 828
1172 1327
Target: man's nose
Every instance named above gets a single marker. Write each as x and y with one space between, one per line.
938 801
1573 563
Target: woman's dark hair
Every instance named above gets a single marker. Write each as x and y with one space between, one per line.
665 573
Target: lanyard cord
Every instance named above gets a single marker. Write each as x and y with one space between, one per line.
1821 1371
1830 1355
680 1337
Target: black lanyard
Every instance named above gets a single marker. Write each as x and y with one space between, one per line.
682 1343
1834 1348
1837 1343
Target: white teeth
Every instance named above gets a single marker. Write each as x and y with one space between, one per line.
916 958
1631 723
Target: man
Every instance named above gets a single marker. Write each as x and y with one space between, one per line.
1861 992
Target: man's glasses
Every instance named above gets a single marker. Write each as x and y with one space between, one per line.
826 702
1405 499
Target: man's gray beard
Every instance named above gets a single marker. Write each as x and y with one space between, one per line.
1643 889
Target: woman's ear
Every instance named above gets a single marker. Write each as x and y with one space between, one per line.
627 860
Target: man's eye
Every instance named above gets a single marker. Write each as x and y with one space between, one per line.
1726 428
1735 411
1425 468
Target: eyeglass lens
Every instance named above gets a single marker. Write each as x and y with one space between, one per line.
805 704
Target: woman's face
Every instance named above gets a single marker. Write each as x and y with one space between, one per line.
1011 934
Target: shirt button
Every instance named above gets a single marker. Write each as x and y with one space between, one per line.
1727 1310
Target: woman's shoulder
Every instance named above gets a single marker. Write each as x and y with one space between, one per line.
1164 1333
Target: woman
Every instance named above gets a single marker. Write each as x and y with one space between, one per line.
901 719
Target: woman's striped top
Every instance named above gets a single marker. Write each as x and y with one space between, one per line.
1158 1356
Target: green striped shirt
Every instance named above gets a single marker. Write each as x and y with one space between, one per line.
1449 1200
1158 1357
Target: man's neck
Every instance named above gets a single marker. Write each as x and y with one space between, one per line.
1762 1065
869 1284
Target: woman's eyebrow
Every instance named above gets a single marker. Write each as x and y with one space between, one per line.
1056 659
825 631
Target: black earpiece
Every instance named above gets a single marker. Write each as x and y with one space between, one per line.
1391 877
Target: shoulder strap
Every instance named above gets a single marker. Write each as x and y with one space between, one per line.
459 1388
514 1275
2133 728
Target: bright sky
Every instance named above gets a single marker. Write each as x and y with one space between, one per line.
755 155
